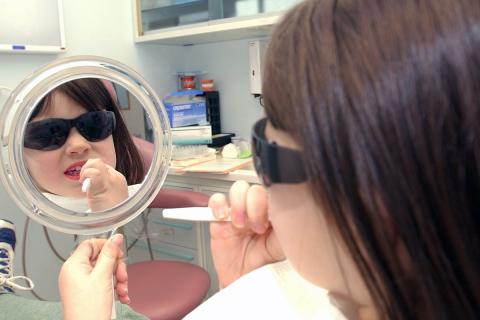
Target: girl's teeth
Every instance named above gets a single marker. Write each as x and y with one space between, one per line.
75 170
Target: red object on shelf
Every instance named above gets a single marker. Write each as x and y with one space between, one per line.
188 82
207 84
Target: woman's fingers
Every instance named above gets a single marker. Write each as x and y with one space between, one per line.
248 206
84 253
121 272
238 203
257 204
219 205
122 283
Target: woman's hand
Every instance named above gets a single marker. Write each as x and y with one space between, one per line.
249 241
108 186
85 280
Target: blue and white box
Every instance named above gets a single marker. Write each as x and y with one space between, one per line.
186 108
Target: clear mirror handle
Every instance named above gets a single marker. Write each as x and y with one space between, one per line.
114 310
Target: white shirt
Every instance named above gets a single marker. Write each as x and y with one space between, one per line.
274 291
80 204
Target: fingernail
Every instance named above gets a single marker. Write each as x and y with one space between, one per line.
221 213
128 301
126 291
117 239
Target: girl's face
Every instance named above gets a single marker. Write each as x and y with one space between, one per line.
312 247
57 171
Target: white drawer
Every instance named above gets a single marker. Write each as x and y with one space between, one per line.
165 251
175 232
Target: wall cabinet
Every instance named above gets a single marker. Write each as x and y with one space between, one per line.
185 22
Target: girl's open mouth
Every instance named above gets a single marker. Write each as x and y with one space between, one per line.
73 171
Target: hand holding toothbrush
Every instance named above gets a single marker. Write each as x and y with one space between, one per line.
248 241
105 187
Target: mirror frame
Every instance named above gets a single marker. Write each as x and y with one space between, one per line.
15 115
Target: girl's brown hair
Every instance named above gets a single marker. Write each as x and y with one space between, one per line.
92 94
383 96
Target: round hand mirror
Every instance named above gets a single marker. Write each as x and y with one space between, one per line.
68 155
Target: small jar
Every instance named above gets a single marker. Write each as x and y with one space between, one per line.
207 84
188 82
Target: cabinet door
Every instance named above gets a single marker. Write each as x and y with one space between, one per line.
212 189
168 239
171 13
179 185
160 20
156 14
242 8
181 233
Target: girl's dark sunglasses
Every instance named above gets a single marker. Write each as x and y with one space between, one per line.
275 164
51 134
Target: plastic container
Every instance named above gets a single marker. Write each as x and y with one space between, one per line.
188 82
207 84
243 147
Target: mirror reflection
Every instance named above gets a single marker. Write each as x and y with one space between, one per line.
80 145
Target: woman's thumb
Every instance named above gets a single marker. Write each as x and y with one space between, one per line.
109 255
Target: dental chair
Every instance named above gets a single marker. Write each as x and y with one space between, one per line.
162 289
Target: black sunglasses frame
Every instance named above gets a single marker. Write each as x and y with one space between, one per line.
275 164
93 126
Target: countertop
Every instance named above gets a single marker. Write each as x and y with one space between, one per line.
247 173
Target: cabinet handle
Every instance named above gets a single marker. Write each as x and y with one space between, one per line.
168 231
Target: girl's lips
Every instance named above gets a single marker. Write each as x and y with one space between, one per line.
73 171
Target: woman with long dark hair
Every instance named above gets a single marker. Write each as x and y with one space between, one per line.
370 154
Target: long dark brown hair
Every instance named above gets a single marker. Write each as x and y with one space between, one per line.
384 97
92 94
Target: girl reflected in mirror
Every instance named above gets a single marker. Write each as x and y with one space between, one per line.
75 133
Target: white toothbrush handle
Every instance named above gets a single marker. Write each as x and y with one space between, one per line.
86 184
192 214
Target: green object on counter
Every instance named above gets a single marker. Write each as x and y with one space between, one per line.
245 154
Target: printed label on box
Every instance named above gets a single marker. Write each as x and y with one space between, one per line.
186 114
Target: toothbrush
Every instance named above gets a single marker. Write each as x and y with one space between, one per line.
86 184
192 214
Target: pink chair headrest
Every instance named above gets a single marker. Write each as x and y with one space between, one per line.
111 89
168 198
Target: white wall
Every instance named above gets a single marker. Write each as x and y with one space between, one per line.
103 28
228 64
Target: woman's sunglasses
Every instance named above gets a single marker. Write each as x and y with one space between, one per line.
51 134
275 164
